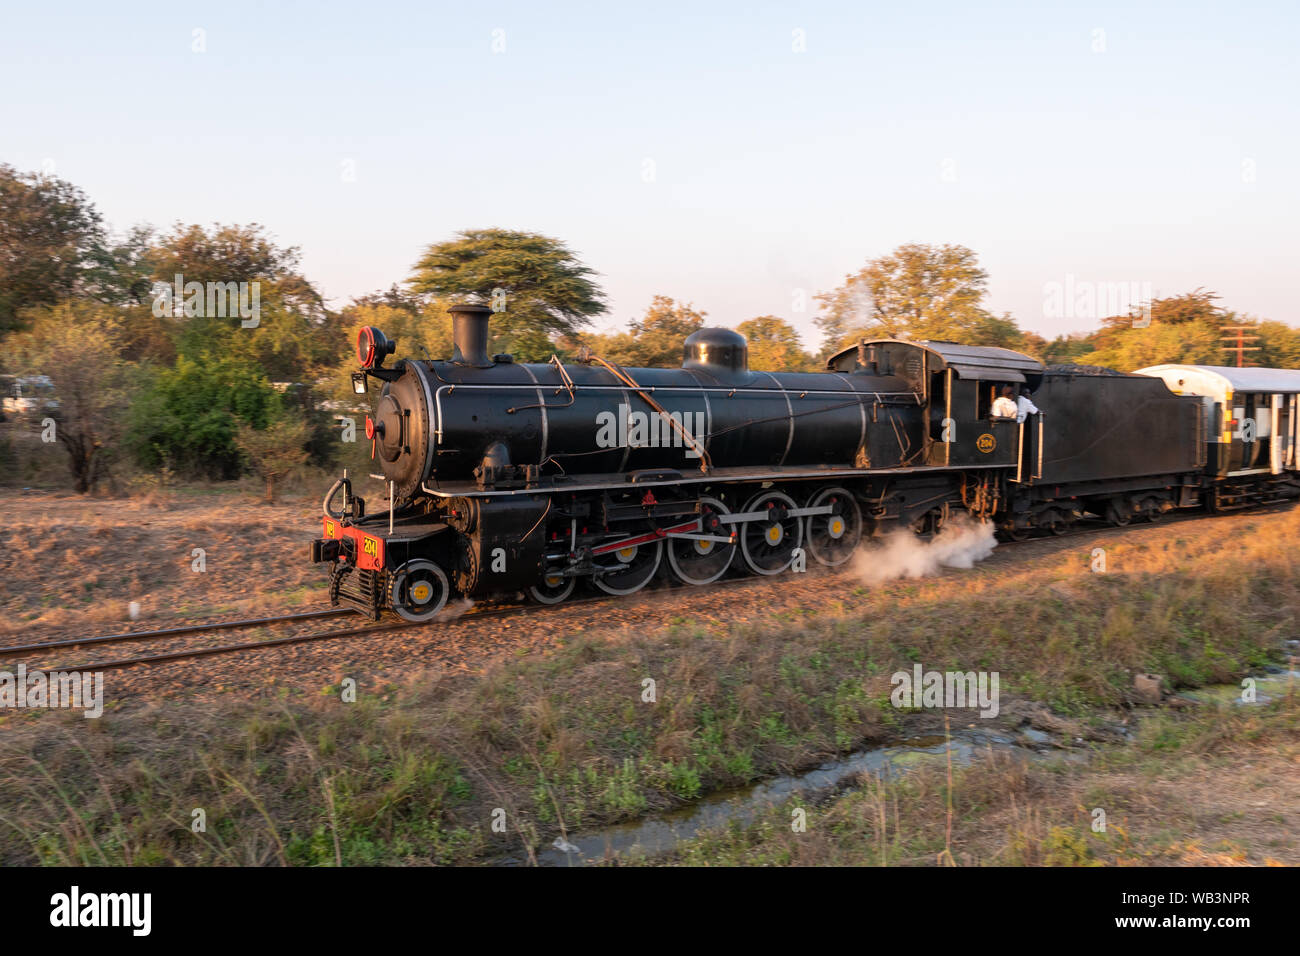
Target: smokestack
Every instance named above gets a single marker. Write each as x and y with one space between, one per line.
469 335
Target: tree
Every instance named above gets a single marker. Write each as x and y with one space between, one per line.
1001 331
293 338
916 292
1182 329
223 253
546 289
774 346
1070 349
121 268
50 237
74 345
276 451
1279 345
655 340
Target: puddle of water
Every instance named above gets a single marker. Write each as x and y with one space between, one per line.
661 833
1268 688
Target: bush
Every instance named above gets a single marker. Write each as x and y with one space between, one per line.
189 416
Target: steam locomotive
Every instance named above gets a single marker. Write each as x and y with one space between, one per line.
506 477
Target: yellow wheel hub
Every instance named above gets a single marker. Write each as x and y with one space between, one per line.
774 535
421 593
627 554
837 526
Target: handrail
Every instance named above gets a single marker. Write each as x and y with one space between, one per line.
1020 453
329 497
1039 473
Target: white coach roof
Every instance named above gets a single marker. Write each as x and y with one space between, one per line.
1237 379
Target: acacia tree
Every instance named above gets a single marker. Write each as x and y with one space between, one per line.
918 291
548 292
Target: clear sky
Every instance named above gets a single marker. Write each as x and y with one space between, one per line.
784 144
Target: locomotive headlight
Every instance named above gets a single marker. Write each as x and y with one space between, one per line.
366 347
372 346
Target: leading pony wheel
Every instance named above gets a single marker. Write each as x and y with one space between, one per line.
418 590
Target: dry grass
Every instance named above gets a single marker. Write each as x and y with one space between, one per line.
564 741
71 563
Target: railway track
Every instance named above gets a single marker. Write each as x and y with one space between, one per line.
171 631
512 610
22 650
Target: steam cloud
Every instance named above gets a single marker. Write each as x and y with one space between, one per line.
901 554
453 610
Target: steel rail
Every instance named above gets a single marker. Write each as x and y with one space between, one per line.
172 631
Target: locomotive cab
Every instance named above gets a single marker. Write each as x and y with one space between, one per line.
955 384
